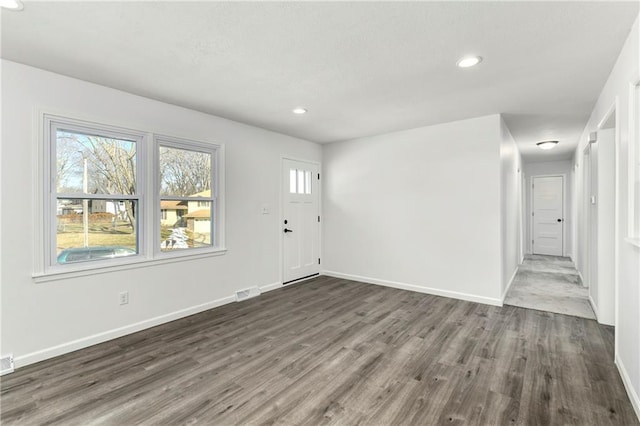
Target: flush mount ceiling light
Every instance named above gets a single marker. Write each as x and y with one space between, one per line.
469 61
299 110
547 144
11 4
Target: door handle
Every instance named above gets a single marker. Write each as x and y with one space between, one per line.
287 230
559 220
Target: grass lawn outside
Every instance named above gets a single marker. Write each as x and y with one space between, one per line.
71 235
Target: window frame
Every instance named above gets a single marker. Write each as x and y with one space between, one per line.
217 210
148 215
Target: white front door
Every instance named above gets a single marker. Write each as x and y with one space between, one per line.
548 218
301 220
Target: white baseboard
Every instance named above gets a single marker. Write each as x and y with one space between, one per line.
74 345
581 279
269 287
506 290
30 358
631 392
416 288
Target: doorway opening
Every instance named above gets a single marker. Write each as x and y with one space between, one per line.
547 278
599 237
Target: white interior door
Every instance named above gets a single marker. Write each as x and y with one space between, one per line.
301 220
548 218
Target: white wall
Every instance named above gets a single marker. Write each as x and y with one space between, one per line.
627 256
418 209
44 319
510 205
550 168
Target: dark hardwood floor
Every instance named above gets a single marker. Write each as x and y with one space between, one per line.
338 352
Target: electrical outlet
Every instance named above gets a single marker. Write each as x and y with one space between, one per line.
124 297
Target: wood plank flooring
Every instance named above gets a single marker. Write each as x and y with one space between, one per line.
331 351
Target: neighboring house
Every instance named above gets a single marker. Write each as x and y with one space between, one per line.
199 221
95 206
199 214
65 209
116 208
171 212
196 213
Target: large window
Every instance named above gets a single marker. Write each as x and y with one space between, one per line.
108 203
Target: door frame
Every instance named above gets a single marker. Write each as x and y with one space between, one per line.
523 216
612 112
564 210
281 214
585 208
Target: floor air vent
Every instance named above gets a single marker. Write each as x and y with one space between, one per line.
247 294
6 364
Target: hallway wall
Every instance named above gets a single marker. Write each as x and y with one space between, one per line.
510 206
616 92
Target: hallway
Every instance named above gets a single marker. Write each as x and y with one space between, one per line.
550 283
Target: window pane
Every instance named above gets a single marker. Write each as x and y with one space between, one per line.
94 164
292 181
307 182
300 181
95 229
184 173
186 228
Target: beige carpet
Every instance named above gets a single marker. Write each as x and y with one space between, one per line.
550 283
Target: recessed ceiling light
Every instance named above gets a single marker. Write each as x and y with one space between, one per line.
469 61
11 4
547 144
299 110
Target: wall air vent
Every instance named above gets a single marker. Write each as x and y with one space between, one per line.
247 294
6 364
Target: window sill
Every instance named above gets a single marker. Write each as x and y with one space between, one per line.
122 265
633 241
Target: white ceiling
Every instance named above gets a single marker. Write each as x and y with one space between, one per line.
360 68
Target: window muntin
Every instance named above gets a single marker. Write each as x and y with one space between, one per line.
187 192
